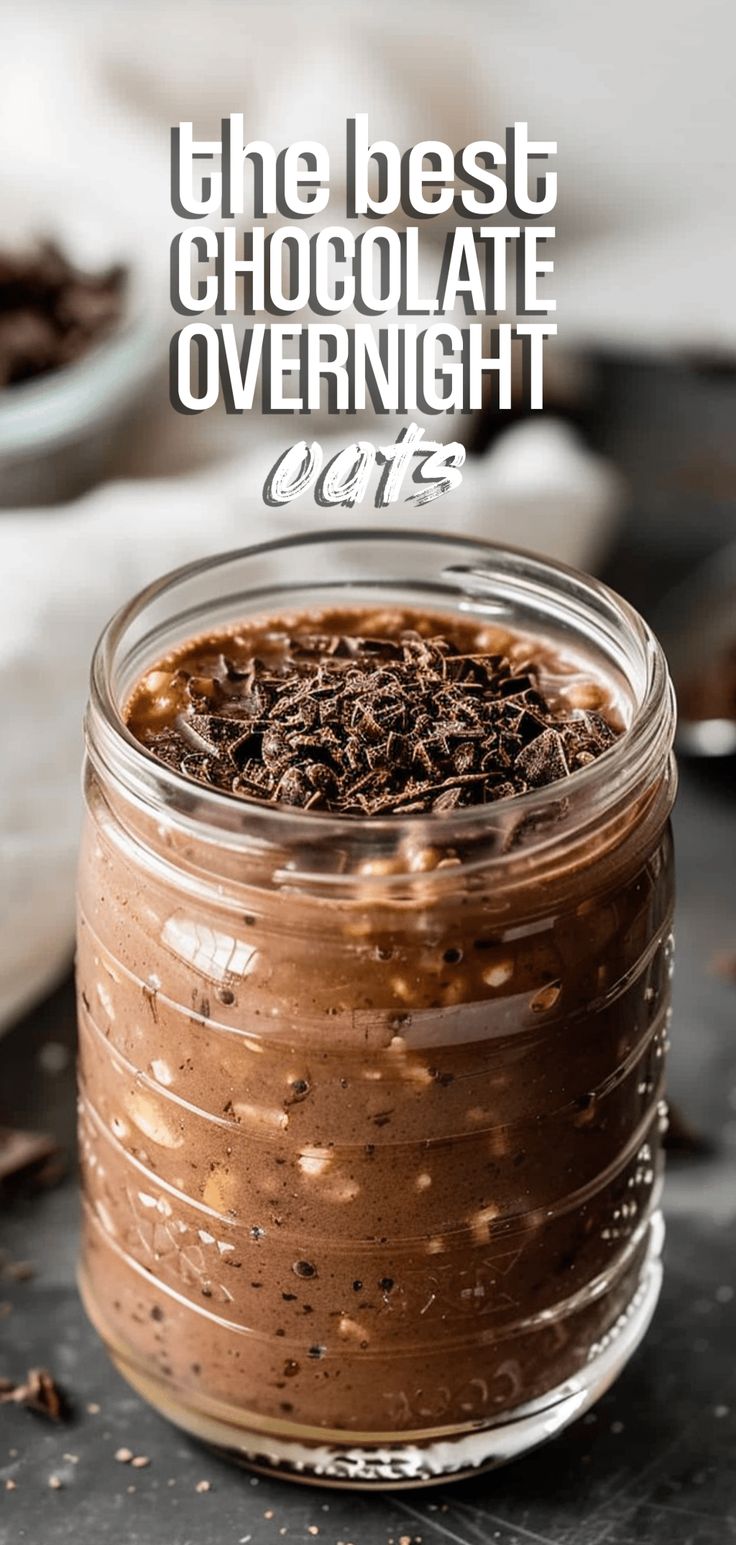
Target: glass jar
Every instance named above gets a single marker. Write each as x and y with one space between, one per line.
371 1110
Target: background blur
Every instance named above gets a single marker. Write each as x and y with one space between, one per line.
104 486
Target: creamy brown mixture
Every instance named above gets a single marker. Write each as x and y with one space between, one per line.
359 1164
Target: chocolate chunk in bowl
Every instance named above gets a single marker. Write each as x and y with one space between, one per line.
51 311
374 958
80 348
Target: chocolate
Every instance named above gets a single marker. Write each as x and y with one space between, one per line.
363 726
38 1392
366 1162
51 313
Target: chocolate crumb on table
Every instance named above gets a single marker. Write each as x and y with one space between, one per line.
39 1392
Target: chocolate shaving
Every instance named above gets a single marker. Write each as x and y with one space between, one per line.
39 1393
50 312
373 726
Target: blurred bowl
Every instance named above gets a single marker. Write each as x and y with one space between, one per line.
60 431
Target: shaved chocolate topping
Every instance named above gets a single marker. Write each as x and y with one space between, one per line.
363 726
37 1392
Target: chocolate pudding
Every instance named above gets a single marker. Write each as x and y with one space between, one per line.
371 1105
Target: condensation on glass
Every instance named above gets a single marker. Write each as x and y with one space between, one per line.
372 1111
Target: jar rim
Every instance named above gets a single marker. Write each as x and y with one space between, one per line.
645 740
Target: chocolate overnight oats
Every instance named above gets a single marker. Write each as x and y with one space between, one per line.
374 958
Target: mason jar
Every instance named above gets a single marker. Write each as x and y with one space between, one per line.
371 1109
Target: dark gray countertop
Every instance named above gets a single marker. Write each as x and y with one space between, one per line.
653 1464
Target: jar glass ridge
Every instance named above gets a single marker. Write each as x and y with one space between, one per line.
426 1051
